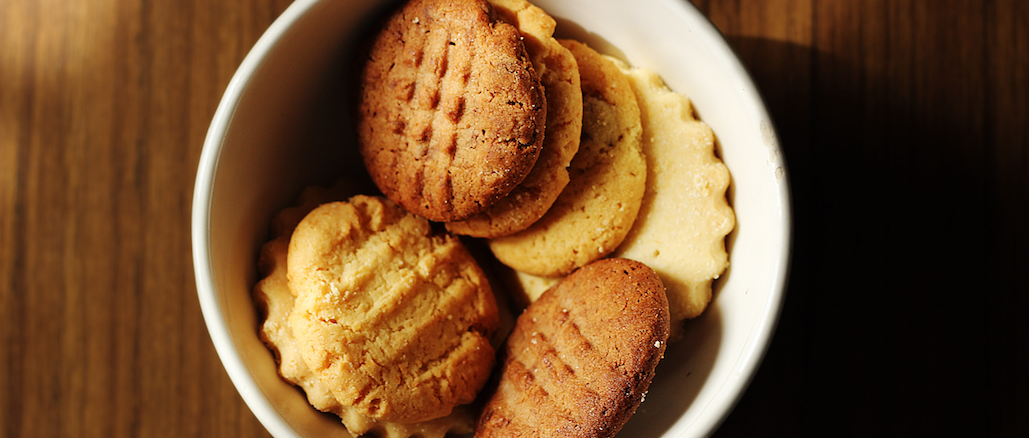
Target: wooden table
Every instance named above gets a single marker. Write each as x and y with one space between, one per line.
903 123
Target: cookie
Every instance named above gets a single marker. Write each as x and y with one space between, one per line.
274 298
275 301
392 318
581 358
685 215
452 115
595 211
559 75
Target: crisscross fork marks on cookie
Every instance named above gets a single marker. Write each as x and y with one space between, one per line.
452 114
558 358
559 75
422 285
442 81
372 284
581 357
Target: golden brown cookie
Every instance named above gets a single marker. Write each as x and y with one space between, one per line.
393 319
452 114
275 302
559 75
685 215
581 358
608 176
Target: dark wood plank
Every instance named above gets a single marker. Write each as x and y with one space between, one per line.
903 124
1007 113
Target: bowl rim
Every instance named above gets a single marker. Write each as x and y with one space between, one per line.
211 307
760 340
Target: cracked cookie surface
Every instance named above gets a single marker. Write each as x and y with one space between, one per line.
452 114
581 357
559 75
394 320
275 302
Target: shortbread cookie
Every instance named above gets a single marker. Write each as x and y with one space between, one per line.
393 319
559 75
595 211
581 358
275 301
685 215
452 114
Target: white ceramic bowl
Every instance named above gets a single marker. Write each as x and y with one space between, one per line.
277 130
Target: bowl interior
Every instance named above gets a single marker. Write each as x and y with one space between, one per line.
280 127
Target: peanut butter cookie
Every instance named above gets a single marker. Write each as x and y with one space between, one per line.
394 320
581 358
275 301
452 114
559 74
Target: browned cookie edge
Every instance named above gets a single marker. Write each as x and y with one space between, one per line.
581 358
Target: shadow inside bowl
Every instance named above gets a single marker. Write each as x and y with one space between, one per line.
680 376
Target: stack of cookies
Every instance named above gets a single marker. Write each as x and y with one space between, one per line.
593 184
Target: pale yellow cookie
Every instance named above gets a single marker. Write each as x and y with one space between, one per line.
559 75
685 215
595 211
392 318
275 301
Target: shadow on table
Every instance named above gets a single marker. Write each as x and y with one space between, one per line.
898 310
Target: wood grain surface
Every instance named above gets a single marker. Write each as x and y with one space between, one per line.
903 125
